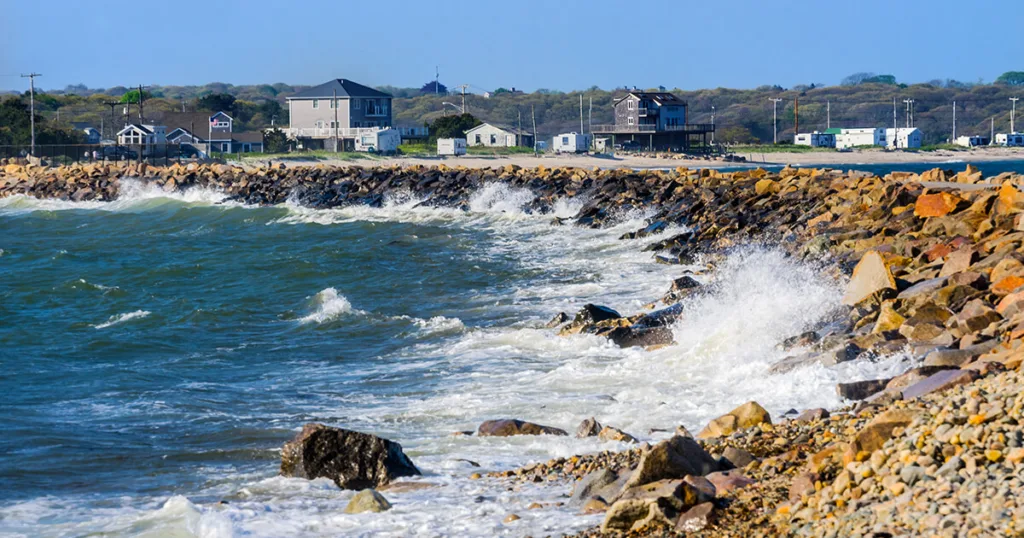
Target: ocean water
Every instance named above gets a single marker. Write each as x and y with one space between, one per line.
157 350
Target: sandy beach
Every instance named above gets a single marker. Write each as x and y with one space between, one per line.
828 159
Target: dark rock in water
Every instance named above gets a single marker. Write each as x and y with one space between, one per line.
684 283
654 228
588 428
859 390
561 319
673 458
352 459
660 318
591 313
509 427
801 340
630 337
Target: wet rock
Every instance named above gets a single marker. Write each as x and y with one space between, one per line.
603 484
626 337
870 276
673 458
959 357
367 500
353 460
589 315
509 427
590 427
859 390
560 319
939 382
745 416
511 518
609 433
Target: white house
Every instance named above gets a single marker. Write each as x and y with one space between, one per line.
851 138
147 137
971 141
491 135
451 146
378 140
571 143
903 138
1014 140
815 140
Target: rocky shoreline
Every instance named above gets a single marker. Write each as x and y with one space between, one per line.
936 273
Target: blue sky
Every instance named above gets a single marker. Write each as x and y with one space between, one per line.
528 44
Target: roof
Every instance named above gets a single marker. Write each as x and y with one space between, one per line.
148 129
247 136
505 128
344 87
662 98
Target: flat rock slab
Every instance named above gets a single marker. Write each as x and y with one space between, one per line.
938 382
510 426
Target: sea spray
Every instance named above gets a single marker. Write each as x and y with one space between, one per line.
328 305
122 318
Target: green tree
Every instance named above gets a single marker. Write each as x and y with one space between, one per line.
1011 78
275 141
132 96
452 126
217 102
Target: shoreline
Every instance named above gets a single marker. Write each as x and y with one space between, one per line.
830 159
937 275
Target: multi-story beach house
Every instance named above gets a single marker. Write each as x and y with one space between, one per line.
211 132
655 120
338 109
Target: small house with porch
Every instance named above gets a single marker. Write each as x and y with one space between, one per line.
493 135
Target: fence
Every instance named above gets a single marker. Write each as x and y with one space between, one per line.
55 154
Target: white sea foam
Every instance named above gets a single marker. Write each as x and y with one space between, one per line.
438 325
134 195
329 305
121 318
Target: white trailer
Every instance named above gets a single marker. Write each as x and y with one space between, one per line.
903 138
571 143
815 140
971 141
1012 140
382 141
451 146
851 138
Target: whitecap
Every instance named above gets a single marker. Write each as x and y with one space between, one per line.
329 306
121 318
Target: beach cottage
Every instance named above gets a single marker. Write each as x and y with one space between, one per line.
493 135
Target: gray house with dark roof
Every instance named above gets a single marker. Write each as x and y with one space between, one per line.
655 121
339 107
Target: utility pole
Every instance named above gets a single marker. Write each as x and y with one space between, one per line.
590 117
334 105
775 119
112 104
32 106
954 122
1013 112
533 113
437 77
894 125
992 133
796 116
828 115
519 113
712 124
463 87
908 102
581 113
141 100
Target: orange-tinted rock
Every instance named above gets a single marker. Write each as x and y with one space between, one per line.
1007 285
936 205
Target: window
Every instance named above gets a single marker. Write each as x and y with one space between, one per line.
565 140
357 104
478 139
494 139
630 104
630 120
316 103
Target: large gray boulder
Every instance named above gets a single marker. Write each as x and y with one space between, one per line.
673 458
353 460
657 504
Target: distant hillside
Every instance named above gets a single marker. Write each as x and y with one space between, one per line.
741 115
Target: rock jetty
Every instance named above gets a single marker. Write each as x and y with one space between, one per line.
935 271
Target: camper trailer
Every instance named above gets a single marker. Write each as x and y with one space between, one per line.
379 141
571 143
451 146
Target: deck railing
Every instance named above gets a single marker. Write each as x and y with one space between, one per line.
687 128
